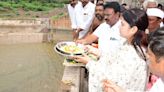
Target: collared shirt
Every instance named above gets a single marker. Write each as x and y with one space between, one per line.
108 37
71 12
84 16
158 86
124 67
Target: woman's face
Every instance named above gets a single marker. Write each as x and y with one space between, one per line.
125 29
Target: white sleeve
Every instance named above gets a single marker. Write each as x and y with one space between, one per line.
93 65
90 65
98 30
78 14
71 13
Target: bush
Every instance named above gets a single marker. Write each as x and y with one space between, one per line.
13 8
5 4
16 5
65 1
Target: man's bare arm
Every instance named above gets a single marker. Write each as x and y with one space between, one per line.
88 40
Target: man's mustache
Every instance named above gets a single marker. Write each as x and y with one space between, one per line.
99 17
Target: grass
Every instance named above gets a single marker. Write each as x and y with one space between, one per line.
35 6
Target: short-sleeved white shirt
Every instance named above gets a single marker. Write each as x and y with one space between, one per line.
84 17
108 37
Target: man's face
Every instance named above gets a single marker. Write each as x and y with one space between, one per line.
153 63
110 16
73 2
99 12
151 5
154 23
84 2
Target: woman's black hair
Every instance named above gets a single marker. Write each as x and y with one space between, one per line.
156 42
137 17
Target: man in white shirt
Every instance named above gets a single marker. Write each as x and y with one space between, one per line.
150 4
155 17
155 55
107 33
84 16
72 7
98 18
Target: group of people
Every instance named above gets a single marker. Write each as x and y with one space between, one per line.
81 14
130 43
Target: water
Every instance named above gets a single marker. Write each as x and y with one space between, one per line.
33 67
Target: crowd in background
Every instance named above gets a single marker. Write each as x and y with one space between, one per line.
128 43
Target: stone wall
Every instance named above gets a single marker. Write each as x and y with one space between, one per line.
23 30
23 25
62 23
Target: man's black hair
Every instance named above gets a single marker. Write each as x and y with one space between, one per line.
114 5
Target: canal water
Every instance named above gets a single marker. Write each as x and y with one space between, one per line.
32 67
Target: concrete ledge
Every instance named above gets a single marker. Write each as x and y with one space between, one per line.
24 25
34 21
71 77
73 80
13 38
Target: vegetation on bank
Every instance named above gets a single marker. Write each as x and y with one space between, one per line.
11 8
33 5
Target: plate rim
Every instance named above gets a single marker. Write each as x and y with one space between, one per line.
63 52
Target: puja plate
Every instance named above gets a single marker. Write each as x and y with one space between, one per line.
69 48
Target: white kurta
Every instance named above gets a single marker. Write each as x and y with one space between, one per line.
71 12
124 67
84 17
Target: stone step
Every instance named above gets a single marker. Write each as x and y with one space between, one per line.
13 38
